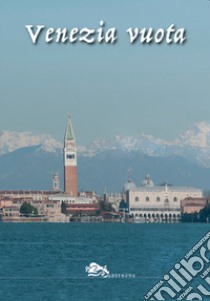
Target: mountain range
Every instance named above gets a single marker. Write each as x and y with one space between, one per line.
193 145
27 161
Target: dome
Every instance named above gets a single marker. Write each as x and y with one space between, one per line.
129 185
147 182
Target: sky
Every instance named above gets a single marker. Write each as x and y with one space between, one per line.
118 89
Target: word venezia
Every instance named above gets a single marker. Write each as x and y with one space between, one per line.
108 36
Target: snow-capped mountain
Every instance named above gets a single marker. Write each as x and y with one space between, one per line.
198 135
11 141
194 144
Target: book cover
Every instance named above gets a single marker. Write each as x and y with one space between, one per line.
104 150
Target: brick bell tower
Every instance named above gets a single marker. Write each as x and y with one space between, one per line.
70 161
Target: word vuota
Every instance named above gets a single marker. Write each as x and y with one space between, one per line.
147 36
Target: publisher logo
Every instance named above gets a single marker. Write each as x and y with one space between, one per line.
96 270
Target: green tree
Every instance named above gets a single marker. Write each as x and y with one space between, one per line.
105 206
190 218
205 214
28 209
63 207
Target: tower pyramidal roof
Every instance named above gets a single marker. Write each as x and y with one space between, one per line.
69 135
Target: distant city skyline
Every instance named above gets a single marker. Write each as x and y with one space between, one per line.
120 89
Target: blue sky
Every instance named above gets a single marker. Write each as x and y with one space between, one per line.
108 89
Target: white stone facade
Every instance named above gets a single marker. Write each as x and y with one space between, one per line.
68 199
159 203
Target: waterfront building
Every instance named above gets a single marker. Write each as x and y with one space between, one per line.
81 209
83 204
9 213
52 212
192 205
82 198
48 210
150 203
38 195
70 161
5 201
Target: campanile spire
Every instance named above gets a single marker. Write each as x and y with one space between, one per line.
70 160
69 134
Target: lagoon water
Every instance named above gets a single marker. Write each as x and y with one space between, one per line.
46 261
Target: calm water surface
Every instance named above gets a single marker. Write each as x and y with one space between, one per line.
47 261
